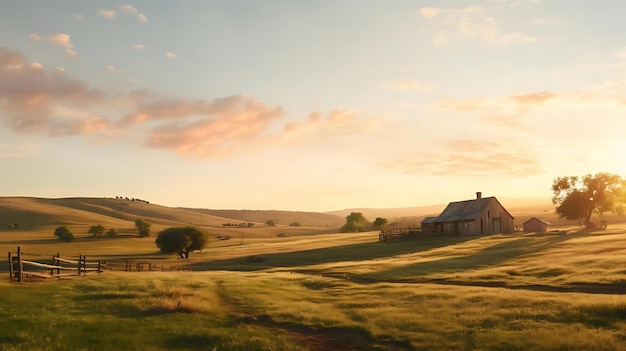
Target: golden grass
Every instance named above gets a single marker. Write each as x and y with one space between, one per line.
522 291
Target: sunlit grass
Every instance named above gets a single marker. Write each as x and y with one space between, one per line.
503 292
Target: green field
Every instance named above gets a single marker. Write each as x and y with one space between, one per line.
307 288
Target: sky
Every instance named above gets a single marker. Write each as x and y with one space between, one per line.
308 105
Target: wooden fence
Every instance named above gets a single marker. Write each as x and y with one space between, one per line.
21 270
144 266
390 234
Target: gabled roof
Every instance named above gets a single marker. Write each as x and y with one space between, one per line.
538 219
461 211
429 220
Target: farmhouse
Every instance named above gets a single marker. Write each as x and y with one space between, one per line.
480 216
536 225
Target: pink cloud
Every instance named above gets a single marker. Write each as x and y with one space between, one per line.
31 96
34 100
61 39
229 124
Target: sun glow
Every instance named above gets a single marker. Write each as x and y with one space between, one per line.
617 157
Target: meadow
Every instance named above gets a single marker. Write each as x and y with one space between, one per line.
309 289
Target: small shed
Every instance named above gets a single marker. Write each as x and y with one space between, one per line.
536 225
481 216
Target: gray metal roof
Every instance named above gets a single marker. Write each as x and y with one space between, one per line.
538 219
429 220
461 211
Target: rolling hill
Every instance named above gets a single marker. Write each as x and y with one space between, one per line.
37 213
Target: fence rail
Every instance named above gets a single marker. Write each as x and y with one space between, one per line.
391 234
43 270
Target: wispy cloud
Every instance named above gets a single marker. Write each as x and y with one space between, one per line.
130 9
107 13
110 68
35 36
17 150
230 124
138 46
78 16
133 11
35 100
473 23
50 102
471 158
170 55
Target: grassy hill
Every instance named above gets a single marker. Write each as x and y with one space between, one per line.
309 219
303 290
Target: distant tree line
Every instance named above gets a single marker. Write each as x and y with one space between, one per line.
64 233
131 199
242 224
272 223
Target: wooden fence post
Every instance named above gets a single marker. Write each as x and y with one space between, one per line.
58 263
20 268
11 266
80 258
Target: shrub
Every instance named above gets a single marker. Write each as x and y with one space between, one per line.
96 230
64 234
143 227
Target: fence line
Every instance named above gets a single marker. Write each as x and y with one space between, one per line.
59 267
36 269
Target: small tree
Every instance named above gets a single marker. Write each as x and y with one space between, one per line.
181 240
64 234
112 232
143 227
96 230
355 222
380 223
270 223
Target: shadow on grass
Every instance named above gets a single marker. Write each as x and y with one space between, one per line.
489 256
355 252
186 342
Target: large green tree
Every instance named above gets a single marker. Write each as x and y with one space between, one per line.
577 198
181 240
355 222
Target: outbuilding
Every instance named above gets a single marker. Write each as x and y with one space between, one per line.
480 216
536 225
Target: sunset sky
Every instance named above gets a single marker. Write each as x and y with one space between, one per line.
309 105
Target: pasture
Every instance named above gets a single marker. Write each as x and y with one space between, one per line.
313 290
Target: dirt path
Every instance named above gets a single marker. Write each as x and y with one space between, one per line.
314 339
